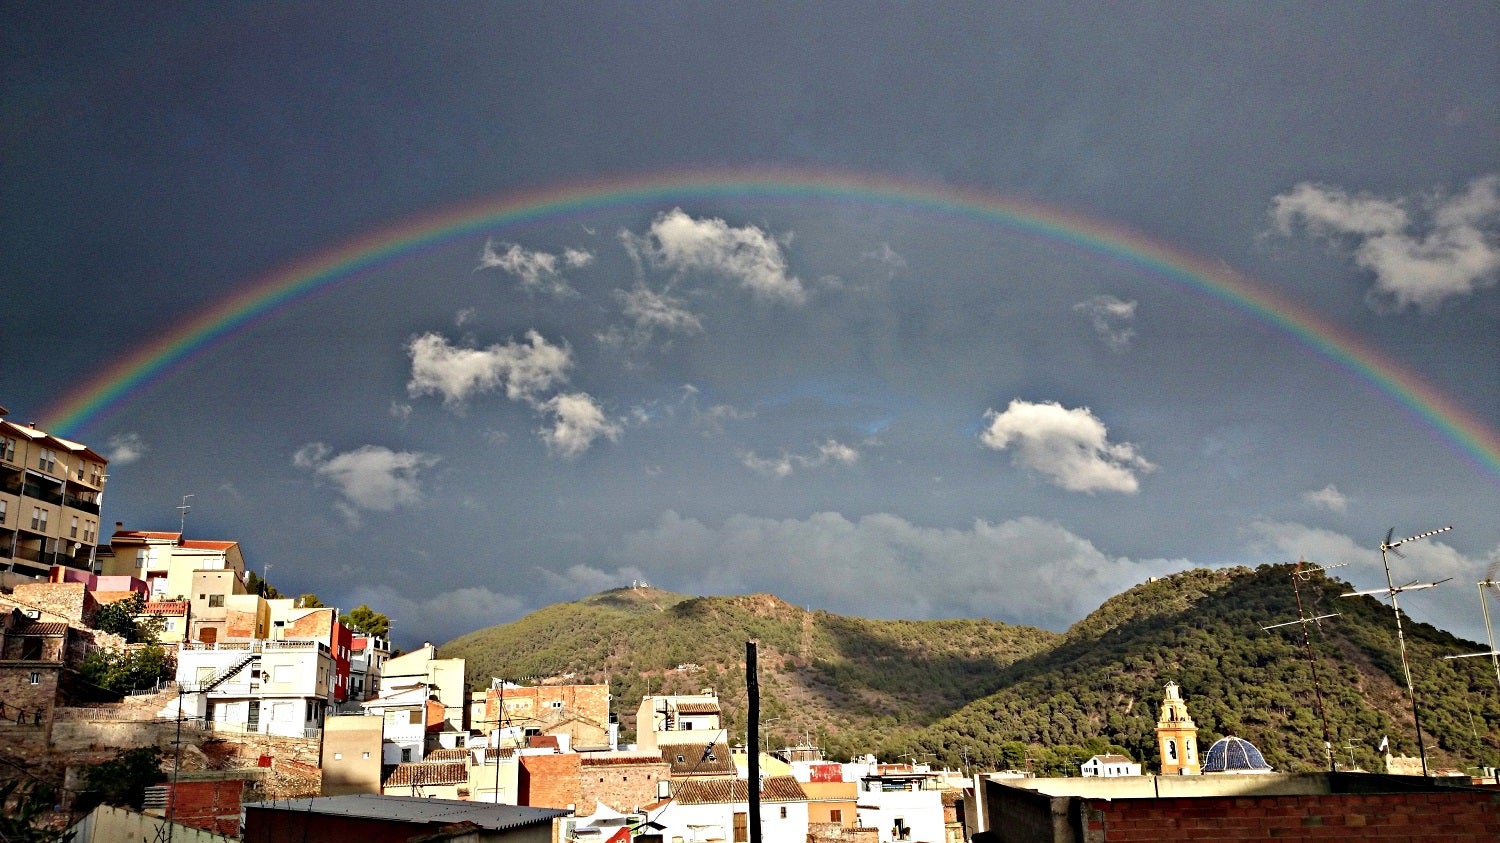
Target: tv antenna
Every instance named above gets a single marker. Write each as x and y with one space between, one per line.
1301 573
1391 590
1484 606
182 512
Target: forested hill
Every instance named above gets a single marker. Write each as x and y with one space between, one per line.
994 695
822 674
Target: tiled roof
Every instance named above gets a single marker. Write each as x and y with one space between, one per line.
599 759
698 708
420 773
1111 759
31 627
446 754
203 544
689 759
147 534
775 789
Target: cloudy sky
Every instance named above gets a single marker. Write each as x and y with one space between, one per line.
757 373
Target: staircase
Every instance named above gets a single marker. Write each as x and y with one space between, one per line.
223 676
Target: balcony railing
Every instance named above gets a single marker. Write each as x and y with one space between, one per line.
256 646
80 504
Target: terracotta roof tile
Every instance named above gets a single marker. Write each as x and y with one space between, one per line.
698 708
31 627
429 773
445 754
775 789
692 760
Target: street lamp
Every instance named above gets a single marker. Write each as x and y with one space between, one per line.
763 731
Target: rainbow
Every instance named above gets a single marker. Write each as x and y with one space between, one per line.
115 386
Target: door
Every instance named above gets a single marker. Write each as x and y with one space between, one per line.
252 722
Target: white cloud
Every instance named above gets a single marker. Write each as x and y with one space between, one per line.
1027 570
400 412
651 311
747 255
370 477
538 271
577 422
457 373
886 256
1071 447
126 448
829 452
1457 254
440 617
1112 320
1329 497
1429 559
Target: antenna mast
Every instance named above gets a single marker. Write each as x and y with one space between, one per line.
1301 574
1391 590
1484 606
182 512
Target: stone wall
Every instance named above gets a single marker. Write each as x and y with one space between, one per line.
624 784
70 600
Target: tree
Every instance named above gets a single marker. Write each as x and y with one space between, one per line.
123 671
310 601
255 585
366 621
123 779
127 618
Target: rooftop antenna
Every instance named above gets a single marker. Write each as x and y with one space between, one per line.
183 511
1302 572
1484 606
1391 590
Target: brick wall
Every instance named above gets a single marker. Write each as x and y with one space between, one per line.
622 784
209 805
550 781
1457 817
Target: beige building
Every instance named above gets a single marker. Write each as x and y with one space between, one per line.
351 755
680 719
167 561
577 713
50 491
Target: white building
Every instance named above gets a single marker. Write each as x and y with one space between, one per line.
263 687
1110 766
712 811
679 719
902 801
367 657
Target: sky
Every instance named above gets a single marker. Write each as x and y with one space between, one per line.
893 310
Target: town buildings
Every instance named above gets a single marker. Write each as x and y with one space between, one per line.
50 494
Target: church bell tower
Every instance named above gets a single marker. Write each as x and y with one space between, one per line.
1176 736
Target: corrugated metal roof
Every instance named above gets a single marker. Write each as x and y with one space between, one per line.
774 789
406 809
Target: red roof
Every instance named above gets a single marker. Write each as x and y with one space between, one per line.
202 544
147 534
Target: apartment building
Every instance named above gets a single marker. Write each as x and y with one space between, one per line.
167 562
257 686
50 491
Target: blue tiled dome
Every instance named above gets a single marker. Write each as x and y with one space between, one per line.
1234 755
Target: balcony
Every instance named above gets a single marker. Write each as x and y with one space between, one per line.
74 502
44 494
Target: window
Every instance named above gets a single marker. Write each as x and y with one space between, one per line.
364 755
3 506
338 756
414 718
783 812
216 601
36 678
73 528
169 625
557 704
47 460
8 449
835 815
405 755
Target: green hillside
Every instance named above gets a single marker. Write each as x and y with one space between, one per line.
822 674
978 692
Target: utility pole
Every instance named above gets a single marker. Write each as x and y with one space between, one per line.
752 729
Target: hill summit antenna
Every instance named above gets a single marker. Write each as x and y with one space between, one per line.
1391 590
1302 572
1484 606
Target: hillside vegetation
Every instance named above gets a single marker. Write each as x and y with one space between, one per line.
988 694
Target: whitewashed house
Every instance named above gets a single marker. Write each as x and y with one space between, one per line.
263 687
901 801
1110 766
712 811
